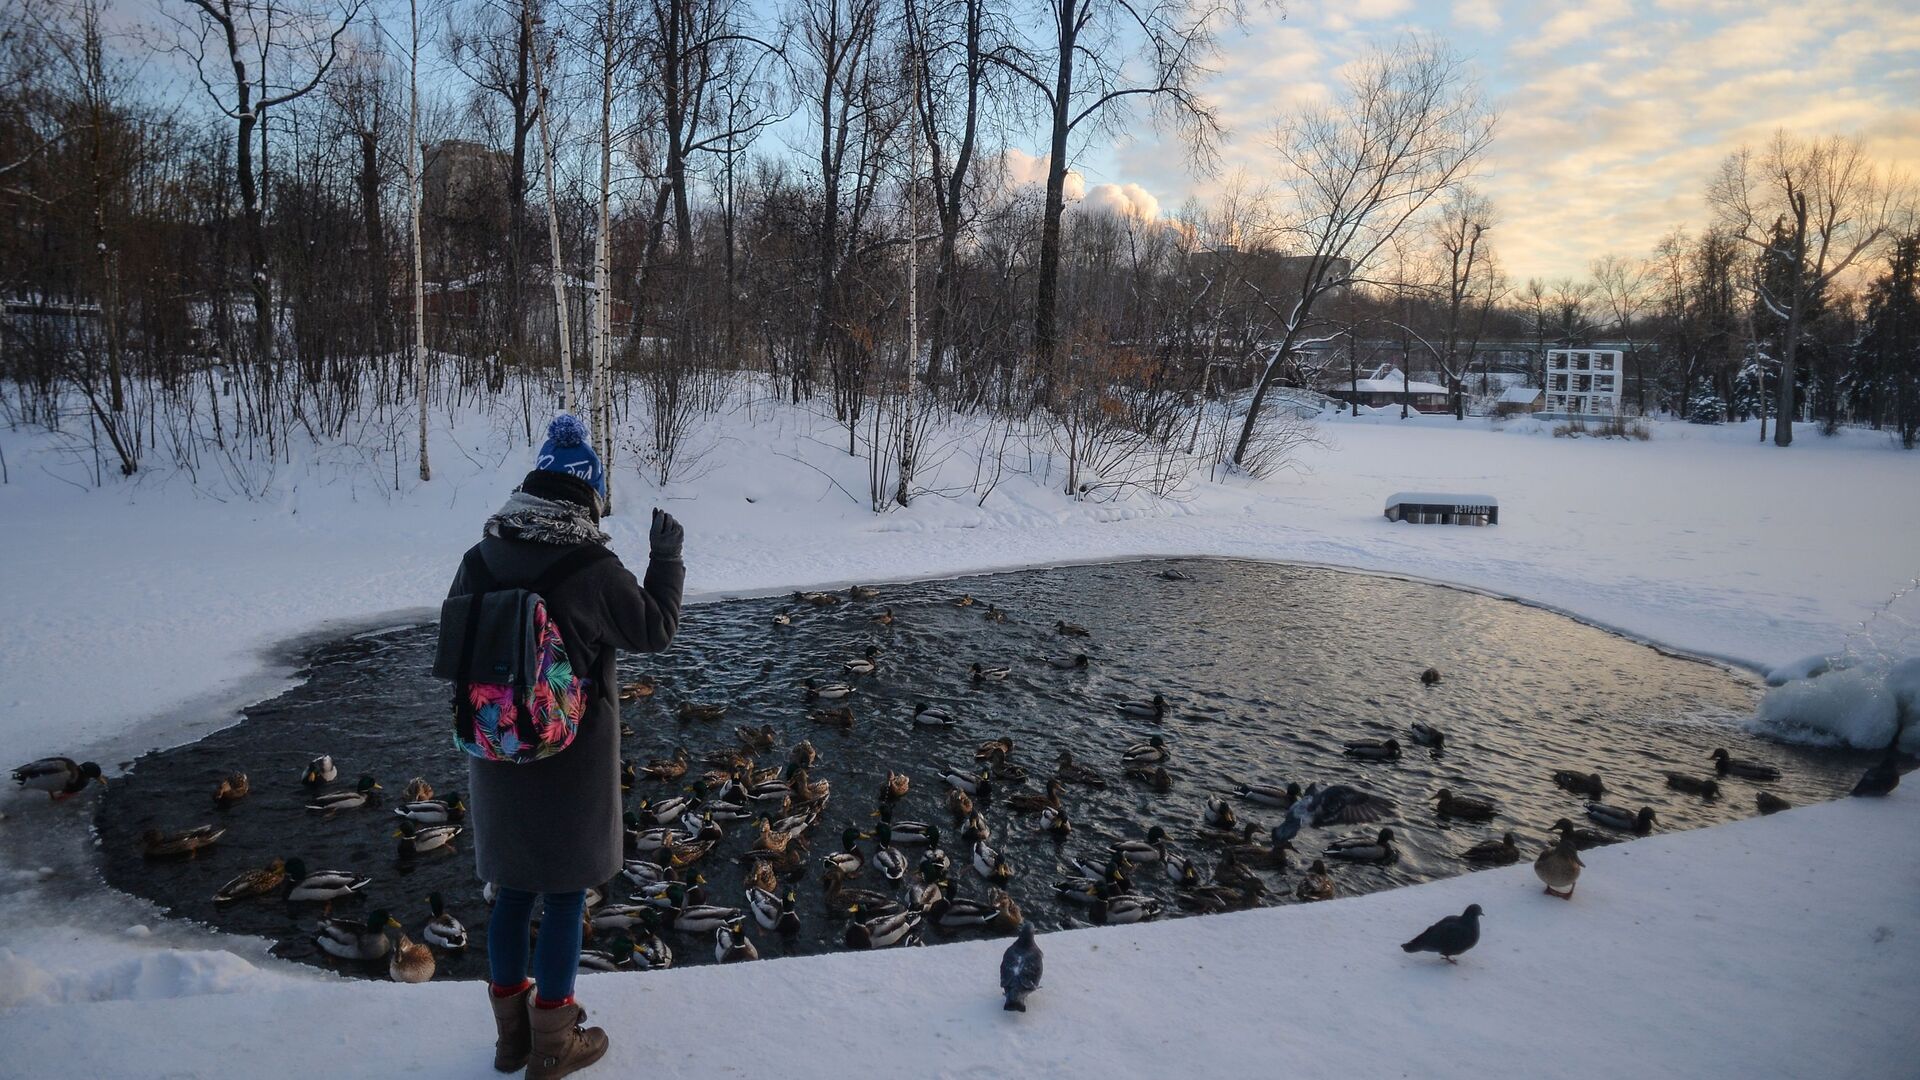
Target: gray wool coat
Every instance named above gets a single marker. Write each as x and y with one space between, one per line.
554 825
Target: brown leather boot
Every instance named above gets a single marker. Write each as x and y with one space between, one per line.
561 1046
515 1039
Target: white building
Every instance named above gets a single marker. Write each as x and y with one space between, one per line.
1584 382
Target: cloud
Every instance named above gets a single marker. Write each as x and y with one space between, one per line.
1479 14
1124 200
1024 170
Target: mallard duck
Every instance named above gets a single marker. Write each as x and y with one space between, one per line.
617 956
994 614
1746 770
1427 735
1067 629
976 828
1219 815
764 904
320 770
895 787
1180 870
841 718
864 592
1367 849
1337 804
417 790
933 858
610 917
321 885
1154 776
155 844
817 599
963 600
1374 749
646 872
731 945
932 716
1616 817
232 789
642 687
60 777
434 811
866 664
1579 783
672 768
1235 875
629 774
1502 852
1150 850
253 883
1032 803
816 691
1072 772
1768 803
1153 708
887 859
667 810
783 618
882 931
1076 662
1268 794
1121 909
977 784
755 739
1693 785
335 801
1584 839
1316 885
804 754
1558 867
959 912
1152 752
411 962
420 839
443 931
690 711
841 899
1465 807
982 672
1054 822
356 939
806 789
1000 748
885 618
1430 677
699 918
1273 855
990 863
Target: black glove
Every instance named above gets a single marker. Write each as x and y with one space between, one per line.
666 536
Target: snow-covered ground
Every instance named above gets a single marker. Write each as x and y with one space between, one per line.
146 613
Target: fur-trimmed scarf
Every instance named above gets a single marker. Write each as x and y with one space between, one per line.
529 517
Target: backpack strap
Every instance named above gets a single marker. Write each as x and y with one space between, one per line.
479 581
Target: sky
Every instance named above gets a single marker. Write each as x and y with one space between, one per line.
1614 114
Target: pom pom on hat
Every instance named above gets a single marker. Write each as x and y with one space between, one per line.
566 430
567 450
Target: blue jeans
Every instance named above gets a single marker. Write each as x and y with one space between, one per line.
556 959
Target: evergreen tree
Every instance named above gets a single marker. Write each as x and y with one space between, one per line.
1888 357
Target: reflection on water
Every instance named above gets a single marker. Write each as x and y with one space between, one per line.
1268 670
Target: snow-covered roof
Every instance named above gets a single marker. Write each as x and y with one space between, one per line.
1519 395
1429 498
1386 379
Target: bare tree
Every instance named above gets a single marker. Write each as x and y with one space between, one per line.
1469 286
1407 127
1817 206
1624 288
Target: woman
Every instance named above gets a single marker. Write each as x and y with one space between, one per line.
550 829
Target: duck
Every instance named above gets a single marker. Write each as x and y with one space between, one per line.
1615 817
959 804
1337 804
1154 776
1880 778
690 711
994 749
1219 815
411 962
994 614
617 956
1033 803
963 600
1430 677
1180 870
888 859
841 718
1235 875
1584 839
320 770
698 918
60 777
1171 574
1374 749
1054 822
443 930
817 599
642 687
881 931
1122 909
335 801
433 811
252 883
1272 795
304 886
1586 784
885 618
806 790
983 673
1502 852
356 939
645 872
755 739
1151 850
1375 849
1465 807
1076 662
1693 785
1067 629
1153 708
866 664
932 716
976 828
783 618
1241 846
1559 866
848 861
1316 885
991 863
1072 772
1768 803
231 789
419 839
895 787
1152 752
764 904
979 785
841 899
1427 735
816 691
803 754
669 768
863 592
155 844
959 912
731 945
1746 770
666 811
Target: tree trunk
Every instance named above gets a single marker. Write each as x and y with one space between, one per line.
553 230
1045 349
413 215
378 300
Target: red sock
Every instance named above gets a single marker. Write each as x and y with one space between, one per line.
542 1003
509 991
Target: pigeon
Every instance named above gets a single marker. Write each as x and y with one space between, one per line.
1449 937
1020 970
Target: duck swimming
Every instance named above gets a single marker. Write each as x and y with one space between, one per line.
1316 885
231 790
1768 803
1154 776
1584 839
1502 852
155 844
1152 752
433 811
1153 708
932 716
303 886
862 592
253 883
1076 662
691 711
979 785
419 839
1615 817
672 768
867 664
731 945
882 931
1464 807
1746 770
443 930
1029 803
1374 749
1151 850
841 718
1072 772
411 962
1427 735
1122 909
1376 849
1692 785
642 687
321 770
1579 783
1268 794
982 673
356 939
1219 815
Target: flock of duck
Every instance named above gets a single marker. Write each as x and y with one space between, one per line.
893 883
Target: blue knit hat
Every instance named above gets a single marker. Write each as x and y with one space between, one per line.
566 451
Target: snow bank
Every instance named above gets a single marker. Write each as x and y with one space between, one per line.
139 976
1860 706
